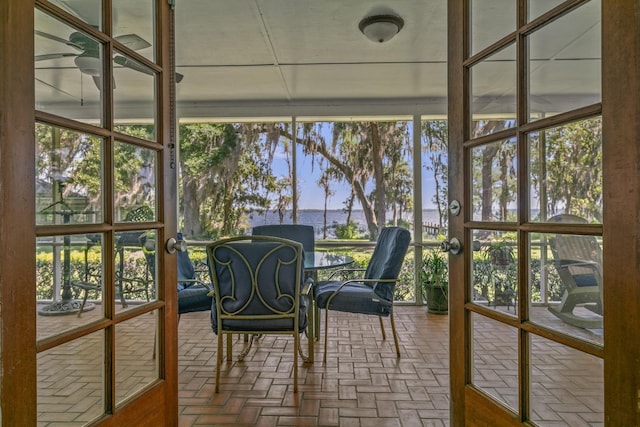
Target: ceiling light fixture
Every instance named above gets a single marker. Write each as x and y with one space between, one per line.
381 28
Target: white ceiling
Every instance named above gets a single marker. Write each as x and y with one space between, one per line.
306 57
290 55
273 58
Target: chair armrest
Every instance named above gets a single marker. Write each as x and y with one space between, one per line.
346 282
196 282
566 263
345 271
199 283
87 286
306 288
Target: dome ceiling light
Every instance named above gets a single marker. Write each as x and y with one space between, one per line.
381 28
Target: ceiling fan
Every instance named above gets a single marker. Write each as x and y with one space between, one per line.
88 61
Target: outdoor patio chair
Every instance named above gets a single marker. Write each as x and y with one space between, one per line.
304 234
126 282
578 261
125 285
193 293
258 289
373 293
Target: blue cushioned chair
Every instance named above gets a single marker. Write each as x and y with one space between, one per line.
193 294
372 294
258 288
578 261
304 234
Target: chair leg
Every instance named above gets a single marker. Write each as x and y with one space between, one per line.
316 321
310 350
296 344
312 320
229 347
247 347
309 358
395 335
84 301
326 332
384 335
218 361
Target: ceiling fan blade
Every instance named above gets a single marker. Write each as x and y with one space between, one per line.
98 81
133 41
130 63
57 39
53 56
81 9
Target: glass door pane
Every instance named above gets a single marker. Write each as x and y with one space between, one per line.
564 63
99 213
69 66
532 146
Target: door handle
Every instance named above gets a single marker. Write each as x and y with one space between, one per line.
452 246
174 245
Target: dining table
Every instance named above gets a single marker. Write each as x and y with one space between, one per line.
317 260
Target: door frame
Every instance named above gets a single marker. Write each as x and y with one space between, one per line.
17 215
621 223
158 404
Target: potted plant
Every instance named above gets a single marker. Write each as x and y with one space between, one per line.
500 252
434 276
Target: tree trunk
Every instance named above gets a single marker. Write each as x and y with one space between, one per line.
442 209
324 217
227 226
504 193
191 205
377 154
487 182
367 209
350 206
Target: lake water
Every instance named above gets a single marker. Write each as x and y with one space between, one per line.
334 217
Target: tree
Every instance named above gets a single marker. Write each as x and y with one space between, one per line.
325 182
436 145
235 165
203 148
358 152
399 190
572 173
490 172
71 164
226 172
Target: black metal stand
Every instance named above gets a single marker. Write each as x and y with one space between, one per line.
67 305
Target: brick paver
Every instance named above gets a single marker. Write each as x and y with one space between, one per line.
362 384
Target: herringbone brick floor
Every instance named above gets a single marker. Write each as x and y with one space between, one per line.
363 383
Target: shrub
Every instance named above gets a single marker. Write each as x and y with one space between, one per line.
347 231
